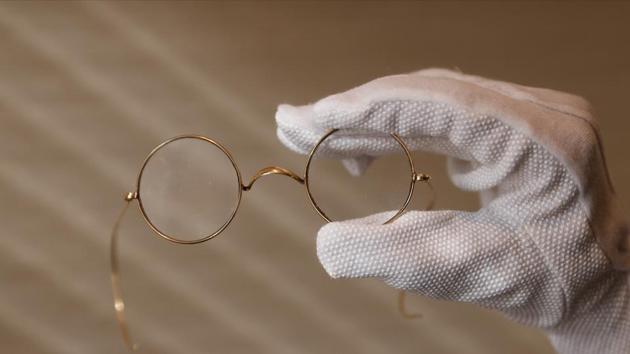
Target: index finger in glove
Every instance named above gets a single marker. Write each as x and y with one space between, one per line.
433 110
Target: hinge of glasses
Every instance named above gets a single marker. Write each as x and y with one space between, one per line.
421 177
131 196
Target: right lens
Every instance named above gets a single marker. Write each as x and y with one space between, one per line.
189 189
383 186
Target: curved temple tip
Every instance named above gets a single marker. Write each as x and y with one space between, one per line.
402 309
134 347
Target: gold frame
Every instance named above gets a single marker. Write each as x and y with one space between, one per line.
119 303
414 177
264 172
137 195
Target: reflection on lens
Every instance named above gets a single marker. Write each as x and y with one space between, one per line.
189 189
383 186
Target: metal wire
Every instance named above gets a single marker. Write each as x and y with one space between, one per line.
119 303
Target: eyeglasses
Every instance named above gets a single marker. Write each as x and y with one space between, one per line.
189 190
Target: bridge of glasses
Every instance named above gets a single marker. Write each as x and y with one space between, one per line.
273 170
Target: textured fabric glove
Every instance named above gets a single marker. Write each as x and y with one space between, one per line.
549 248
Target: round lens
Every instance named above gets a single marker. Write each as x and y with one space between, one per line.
361 186
189 189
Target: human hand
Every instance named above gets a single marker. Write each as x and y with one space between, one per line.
549 248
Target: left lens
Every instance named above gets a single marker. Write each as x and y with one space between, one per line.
189 189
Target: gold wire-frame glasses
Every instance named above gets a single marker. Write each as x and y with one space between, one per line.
119 303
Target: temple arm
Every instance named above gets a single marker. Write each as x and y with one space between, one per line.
119 303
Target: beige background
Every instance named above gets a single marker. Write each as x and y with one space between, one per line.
86 89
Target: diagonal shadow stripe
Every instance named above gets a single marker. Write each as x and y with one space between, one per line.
343 328
272 272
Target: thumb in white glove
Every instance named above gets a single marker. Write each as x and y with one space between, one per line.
547 249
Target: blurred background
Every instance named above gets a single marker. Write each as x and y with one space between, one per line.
88 88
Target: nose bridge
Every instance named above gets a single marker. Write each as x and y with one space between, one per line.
273 170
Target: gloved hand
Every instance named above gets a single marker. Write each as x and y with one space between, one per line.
549 248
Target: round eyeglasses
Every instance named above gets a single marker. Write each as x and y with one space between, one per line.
189 190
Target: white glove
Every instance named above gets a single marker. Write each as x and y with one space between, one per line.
549 248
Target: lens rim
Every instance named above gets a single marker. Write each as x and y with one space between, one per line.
204 238
412 178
